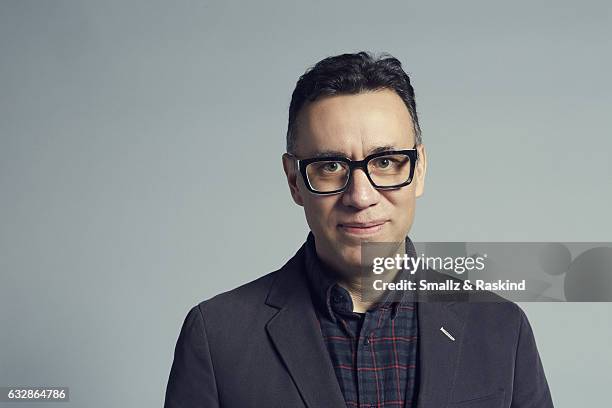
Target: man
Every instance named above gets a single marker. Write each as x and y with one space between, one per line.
302 336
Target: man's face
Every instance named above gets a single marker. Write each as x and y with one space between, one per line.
355 125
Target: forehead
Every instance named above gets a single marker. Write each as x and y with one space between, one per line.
355 124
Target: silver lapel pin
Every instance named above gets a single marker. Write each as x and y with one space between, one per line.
443 330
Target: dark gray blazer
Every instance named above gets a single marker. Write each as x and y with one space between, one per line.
260 345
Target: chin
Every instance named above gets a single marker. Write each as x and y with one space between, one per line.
350 256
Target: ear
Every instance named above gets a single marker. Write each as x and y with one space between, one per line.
420 170
290 168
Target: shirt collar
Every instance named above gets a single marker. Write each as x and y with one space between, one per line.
328 296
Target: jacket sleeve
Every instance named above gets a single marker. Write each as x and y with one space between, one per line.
192 382
530 386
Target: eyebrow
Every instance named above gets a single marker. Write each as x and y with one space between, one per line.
338 153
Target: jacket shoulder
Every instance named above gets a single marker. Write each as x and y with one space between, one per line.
252 295
504 317
245 296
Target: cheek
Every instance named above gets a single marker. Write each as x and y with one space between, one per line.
403 199
320 211
402 202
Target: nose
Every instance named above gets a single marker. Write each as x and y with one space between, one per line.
360 193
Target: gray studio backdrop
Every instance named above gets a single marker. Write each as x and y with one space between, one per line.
140 167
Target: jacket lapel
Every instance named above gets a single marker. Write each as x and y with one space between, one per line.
438 353
296 334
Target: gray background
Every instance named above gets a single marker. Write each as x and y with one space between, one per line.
122 206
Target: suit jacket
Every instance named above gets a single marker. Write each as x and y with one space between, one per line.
260 345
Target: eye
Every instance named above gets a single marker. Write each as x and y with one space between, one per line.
384 163
332 167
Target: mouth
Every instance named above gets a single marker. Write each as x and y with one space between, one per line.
361 229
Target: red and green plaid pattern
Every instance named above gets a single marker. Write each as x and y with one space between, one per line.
374 354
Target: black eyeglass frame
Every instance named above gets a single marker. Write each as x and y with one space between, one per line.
357 164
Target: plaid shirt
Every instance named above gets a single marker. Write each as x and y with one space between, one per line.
374 354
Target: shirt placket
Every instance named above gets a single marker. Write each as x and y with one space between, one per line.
368 382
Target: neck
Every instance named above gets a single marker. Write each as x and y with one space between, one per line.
356 284
354 288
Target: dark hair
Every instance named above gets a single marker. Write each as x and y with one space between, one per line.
351 74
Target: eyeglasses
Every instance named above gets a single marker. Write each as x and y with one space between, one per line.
385 170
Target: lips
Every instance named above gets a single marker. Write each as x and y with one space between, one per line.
362 228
